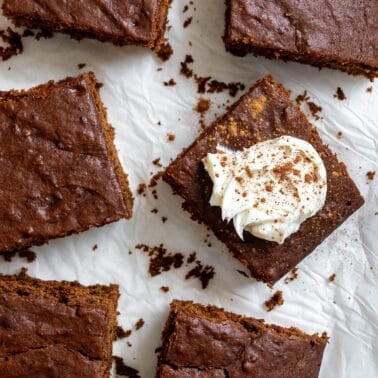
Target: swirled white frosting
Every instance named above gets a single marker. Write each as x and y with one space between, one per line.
269 189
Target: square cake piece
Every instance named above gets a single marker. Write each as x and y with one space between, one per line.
203 342
264 113
340 34
123 22
59 170
56 329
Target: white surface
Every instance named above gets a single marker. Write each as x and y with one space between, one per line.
137 100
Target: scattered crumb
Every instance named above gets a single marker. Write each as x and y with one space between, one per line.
302 98
94 247
170 83
171 137
164 289
314 109
185 70
187 22
340 95
185 9
369 89
160 259
370 175
26 254
139 324
243 273
203 105
332 277
122 334
191 258
80 66
124 370
14 44
129 344
142 189
154 179
339 135
165 52
164 219
203 273
28 33
293 276
157 162
154 211
43 34
275 300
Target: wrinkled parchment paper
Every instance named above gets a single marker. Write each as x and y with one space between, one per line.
137 100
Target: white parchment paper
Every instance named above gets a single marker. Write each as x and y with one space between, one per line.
136 100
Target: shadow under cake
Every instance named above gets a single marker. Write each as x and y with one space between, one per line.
54 329
264 113
120 22
59 169
206 342
340 34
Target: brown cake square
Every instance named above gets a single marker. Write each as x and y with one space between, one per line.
340 34
59 170
56 329
203 342
123 22
264 113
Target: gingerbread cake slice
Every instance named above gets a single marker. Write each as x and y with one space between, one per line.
121 22
56 329
59 169
340 34
204 342
265 116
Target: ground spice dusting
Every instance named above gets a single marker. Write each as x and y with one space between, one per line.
275 300
124 370
14 44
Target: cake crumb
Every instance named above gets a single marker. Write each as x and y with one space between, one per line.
164 219
275 300
370 175
157 162
124 370
314 109
203 273
142 189
94 247
242 273
122 334
302 98
340 95
80 66
164 289
369 89
139 324
13 43
170 83
26 254
185 70
154 211
187 22
171 137
339 135
332 277
203 105
293 276
165 52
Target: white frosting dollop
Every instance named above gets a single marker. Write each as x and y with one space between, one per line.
269 189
